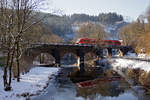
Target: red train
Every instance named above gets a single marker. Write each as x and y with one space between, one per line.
92 83
101 42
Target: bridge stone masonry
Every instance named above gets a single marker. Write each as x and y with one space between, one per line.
58 50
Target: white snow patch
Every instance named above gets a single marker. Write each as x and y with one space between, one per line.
125 63
142 55
31 83
131 54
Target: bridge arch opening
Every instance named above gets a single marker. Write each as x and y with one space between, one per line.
111 52
69 59
44 59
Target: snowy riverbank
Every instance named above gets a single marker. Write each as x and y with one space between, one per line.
135 72
141 55
133 64
30 84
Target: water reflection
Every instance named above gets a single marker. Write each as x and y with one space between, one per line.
62 88
104 91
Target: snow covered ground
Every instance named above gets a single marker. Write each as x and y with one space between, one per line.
144 56
31 83
133 64
134 55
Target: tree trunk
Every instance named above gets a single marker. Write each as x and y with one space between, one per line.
10 67
18 63
5 70
7 86
5 76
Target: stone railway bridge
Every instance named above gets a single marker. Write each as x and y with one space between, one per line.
58 50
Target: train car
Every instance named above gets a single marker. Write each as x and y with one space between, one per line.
101 42
95 82
109 42
86 41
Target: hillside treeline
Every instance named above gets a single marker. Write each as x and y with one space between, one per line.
59 25
41 33
90 30
137 34
104 18
62 25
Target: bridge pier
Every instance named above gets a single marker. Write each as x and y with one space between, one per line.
78 62
81 60
109 52
99 53
82 64
56 55
57 61
124 51
121 54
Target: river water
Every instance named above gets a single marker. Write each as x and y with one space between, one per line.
62 88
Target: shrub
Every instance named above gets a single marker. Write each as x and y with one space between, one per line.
144 79
134 74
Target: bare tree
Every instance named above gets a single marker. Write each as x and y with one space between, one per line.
91 30
16 17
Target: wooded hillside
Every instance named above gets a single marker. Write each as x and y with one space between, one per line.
137 34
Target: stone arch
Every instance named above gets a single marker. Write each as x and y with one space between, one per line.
120 53
69 58
35 53
44 58
123 51
105 52
64 52
28 57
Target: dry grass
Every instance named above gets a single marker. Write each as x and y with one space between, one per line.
134 74
139 76
144 79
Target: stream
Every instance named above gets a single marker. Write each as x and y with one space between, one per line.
61 87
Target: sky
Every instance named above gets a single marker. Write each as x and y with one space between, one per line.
128 8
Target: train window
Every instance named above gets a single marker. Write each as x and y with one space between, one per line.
83 41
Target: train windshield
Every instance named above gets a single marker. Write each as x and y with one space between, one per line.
78 40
